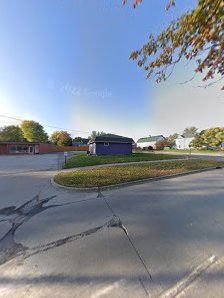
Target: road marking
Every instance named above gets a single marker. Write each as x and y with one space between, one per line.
189 279
106 289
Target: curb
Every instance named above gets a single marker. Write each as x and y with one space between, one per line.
130 183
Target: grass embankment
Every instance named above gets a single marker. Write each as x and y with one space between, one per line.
83 160
120 174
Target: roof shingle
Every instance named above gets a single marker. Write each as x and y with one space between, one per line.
150 139
111 138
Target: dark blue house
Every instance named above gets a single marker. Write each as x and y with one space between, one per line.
82 142
110 144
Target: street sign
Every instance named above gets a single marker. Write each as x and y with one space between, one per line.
65 156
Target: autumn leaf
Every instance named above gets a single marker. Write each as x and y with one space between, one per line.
199 32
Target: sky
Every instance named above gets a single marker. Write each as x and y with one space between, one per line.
65 63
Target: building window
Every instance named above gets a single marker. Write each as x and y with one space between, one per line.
106 144
13 149
21 149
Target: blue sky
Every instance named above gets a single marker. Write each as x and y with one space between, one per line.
65 63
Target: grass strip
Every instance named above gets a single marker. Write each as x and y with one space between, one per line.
126 173
83 160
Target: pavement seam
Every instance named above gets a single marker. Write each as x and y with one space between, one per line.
11 249
100 195
144 288
180 286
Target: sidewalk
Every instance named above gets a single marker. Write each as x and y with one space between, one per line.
123 164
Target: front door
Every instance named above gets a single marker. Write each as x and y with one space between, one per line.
36 149
30 151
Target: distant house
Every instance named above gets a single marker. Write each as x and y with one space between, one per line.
77 144
110 144
182 142
149 142
83 142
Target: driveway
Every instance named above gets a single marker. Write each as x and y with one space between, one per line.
137 241
27 163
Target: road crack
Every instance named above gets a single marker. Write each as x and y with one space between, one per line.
9 248
100 195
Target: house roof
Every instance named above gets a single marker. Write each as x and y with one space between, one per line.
84 141
19 143
111 138
150 139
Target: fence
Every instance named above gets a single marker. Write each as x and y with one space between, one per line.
70 148
47 148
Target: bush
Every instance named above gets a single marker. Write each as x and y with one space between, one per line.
150 148
161 144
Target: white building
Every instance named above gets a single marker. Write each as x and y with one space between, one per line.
149 141
183 143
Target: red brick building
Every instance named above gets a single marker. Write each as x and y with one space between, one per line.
35 148
25 148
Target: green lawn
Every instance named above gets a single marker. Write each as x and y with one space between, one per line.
120 174
83 160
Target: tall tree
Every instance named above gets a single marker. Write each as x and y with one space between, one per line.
209 137
11 133
171 140
196 35
33 131
101 133
64 139
161 144
55 137
198 141
213 136
77 139
93 135
96 133
190 132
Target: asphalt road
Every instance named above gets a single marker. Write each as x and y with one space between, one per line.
137 241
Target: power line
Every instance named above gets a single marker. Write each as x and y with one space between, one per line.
50 126
6 122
